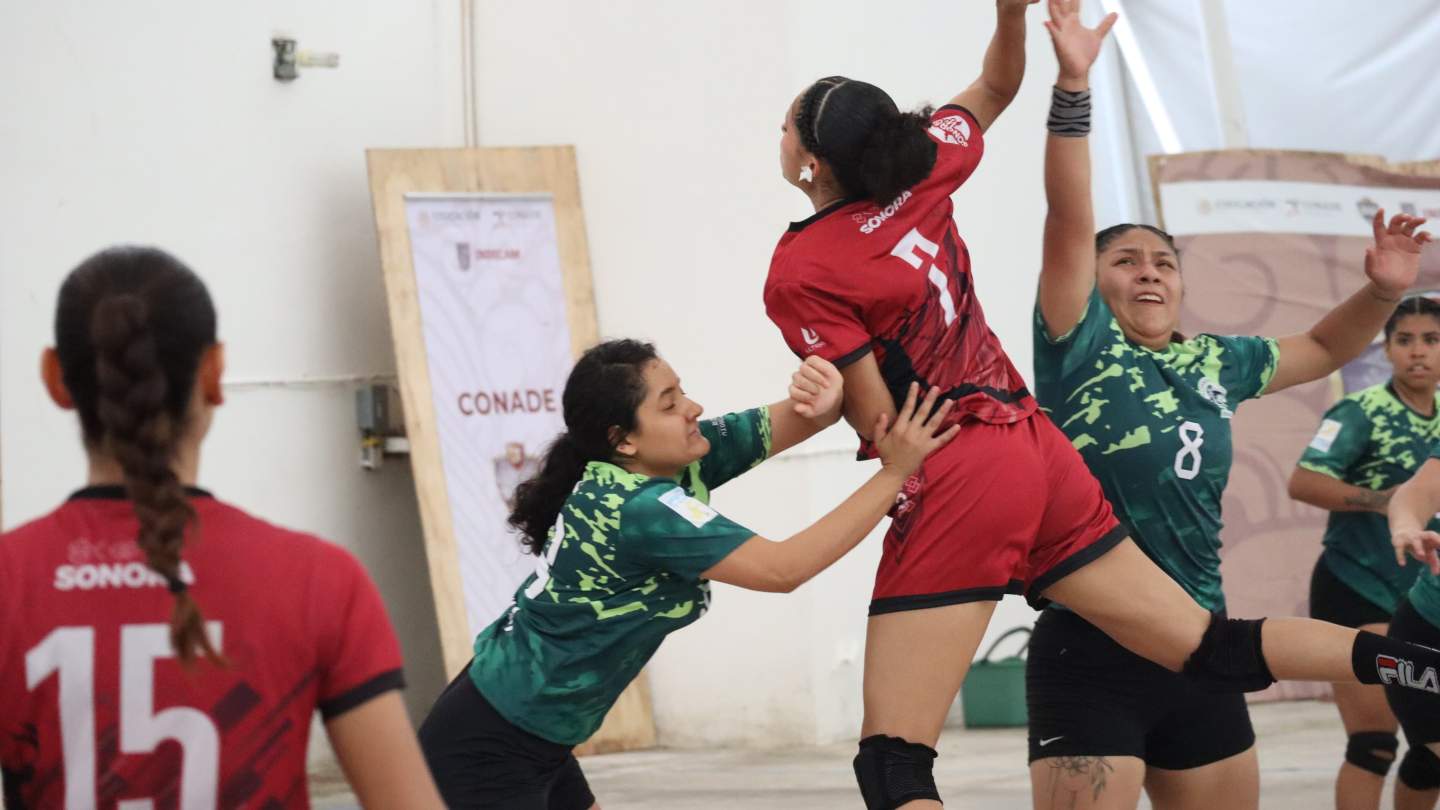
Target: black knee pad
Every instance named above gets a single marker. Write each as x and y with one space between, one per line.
1229 658
892 772
1420 769
1372 751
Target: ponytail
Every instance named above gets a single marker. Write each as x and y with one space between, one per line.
130 327
898 154
602 394
538 501
875 150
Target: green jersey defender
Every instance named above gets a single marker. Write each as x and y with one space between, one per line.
621 570
1154 429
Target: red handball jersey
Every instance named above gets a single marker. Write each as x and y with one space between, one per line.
896 280
97 713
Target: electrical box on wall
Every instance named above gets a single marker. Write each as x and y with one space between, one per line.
381 421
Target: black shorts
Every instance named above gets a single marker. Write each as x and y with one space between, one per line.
1088 696
1416 710
481 760
1333 601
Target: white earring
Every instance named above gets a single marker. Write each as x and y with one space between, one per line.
806 175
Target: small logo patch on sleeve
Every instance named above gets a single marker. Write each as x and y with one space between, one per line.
1325 436
697 513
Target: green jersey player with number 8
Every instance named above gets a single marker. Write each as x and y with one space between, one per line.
1150 410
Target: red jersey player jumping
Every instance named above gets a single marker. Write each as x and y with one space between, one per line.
878 282
158 647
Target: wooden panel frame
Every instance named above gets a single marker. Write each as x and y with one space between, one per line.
514 170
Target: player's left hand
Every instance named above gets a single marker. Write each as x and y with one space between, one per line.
1420 544
817 389
1393 262
1076 47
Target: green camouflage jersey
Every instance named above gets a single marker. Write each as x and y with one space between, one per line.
1425 593
1154 429
1370 439
621 569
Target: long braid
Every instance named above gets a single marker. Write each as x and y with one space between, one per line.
131 404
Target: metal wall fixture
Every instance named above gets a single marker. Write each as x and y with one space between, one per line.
380 418
289 59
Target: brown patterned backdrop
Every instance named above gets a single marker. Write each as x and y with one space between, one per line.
1277 284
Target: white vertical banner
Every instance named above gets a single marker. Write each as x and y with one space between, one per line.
497 343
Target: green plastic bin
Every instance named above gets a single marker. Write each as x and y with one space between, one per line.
993 695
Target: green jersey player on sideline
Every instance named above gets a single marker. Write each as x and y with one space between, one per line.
1369 443
627 542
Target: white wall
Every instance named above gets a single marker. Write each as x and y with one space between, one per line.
158 122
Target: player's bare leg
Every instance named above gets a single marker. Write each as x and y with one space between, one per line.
1232 783
915 661
1363 708
1086 783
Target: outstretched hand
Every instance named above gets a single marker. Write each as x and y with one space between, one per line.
1422 545
1076 47
913 435
1393 262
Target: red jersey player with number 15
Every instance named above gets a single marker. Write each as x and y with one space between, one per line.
158 647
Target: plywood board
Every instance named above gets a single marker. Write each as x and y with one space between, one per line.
520 170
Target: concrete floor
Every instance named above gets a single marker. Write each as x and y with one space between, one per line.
1301 744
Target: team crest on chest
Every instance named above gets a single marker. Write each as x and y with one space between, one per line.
1216 394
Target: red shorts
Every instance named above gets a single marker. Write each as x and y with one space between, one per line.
1002 509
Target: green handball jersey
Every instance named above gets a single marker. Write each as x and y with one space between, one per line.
1154 429
621 570
1370 439
1425 593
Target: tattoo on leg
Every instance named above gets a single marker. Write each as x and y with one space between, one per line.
1071 775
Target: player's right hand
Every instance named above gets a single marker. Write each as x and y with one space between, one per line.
905 444
1420 544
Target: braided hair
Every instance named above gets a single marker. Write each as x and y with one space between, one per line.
131 326
875 150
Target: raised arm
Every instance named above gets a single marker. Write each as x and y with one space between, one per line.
1003 68
765 565
1067 269
1410 509
1391 266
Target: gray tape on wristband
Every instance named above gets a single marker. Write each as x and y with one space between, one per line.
1069 113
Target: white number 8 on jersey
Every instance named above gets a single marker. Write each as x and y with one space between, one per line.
1187 461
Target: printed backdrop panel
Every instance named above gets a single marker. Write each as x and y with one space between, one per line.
492 308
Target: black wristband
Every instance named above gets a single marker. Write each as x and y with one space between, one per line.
1069 113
